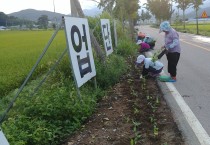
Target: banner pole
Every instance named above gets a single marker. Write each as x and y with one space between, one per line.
95 83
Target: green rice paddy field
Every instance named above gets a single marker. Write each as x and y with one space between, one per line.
204 29
19 51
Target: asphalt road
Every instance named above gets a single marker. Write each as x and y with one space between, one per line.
193 72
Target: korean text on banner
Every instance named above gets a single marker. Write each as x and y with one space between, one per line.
106 33
79 44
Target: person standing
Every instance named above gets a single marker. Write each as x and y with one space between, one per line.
173 48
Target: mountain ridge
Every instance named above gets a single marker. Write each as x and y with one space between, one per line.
32 14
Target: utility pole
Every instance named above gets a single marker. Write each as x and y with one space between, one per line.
54 5
73 9
55 19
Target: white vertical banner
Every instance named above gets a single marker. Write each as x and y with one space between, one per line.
106 33
81 56
3 140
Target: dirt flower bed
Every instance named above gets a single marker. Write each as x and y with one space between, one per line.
133 112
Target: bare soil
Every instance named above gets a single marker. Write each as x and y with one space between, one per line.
133 112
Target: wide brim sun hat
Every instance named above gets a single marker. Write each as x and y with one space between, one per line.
140 59
164 26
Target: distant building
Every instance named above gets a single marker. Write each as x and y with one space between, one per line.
17 27
200 20
2 28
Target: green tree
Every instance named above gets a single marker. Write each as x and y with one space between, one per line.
124 10
107 5
183 5
3 18
196 4
161 9
145 15
6 20
43 21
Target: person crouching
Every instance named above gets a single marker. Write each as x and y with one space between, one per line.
143 46
150 68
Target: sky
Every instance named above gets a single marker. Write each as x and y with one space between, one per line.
61 6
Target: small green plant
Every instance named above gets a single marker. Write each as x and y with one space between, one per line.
149 98
143 85
134 93
136 124
153 107
151 118
157 100
132 142
155 130
127 119
155 54
129 81
136 111
137 134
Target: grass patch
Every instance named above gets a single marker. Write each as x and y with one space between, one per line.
203 29
55 111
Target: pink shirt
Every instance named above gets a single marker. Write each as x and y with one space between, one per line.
145 45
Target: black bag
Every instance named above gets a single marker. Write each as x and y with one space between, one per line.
162 53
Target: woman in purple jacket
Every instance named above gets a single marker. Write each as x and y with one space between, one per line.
173 48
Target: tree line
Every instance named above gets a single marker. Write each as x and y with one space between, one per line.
8 21
162 9
127 10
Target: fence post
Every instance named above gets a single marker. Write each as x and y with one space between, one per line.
115 32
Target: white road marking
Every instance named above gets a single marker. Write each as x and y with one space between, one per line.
202 38
196 126
195 45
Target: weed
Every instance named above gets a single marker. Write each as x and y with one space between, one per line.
136 111
137 134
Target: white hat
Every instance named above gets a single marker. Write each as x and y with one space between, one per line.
139 42
140 58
